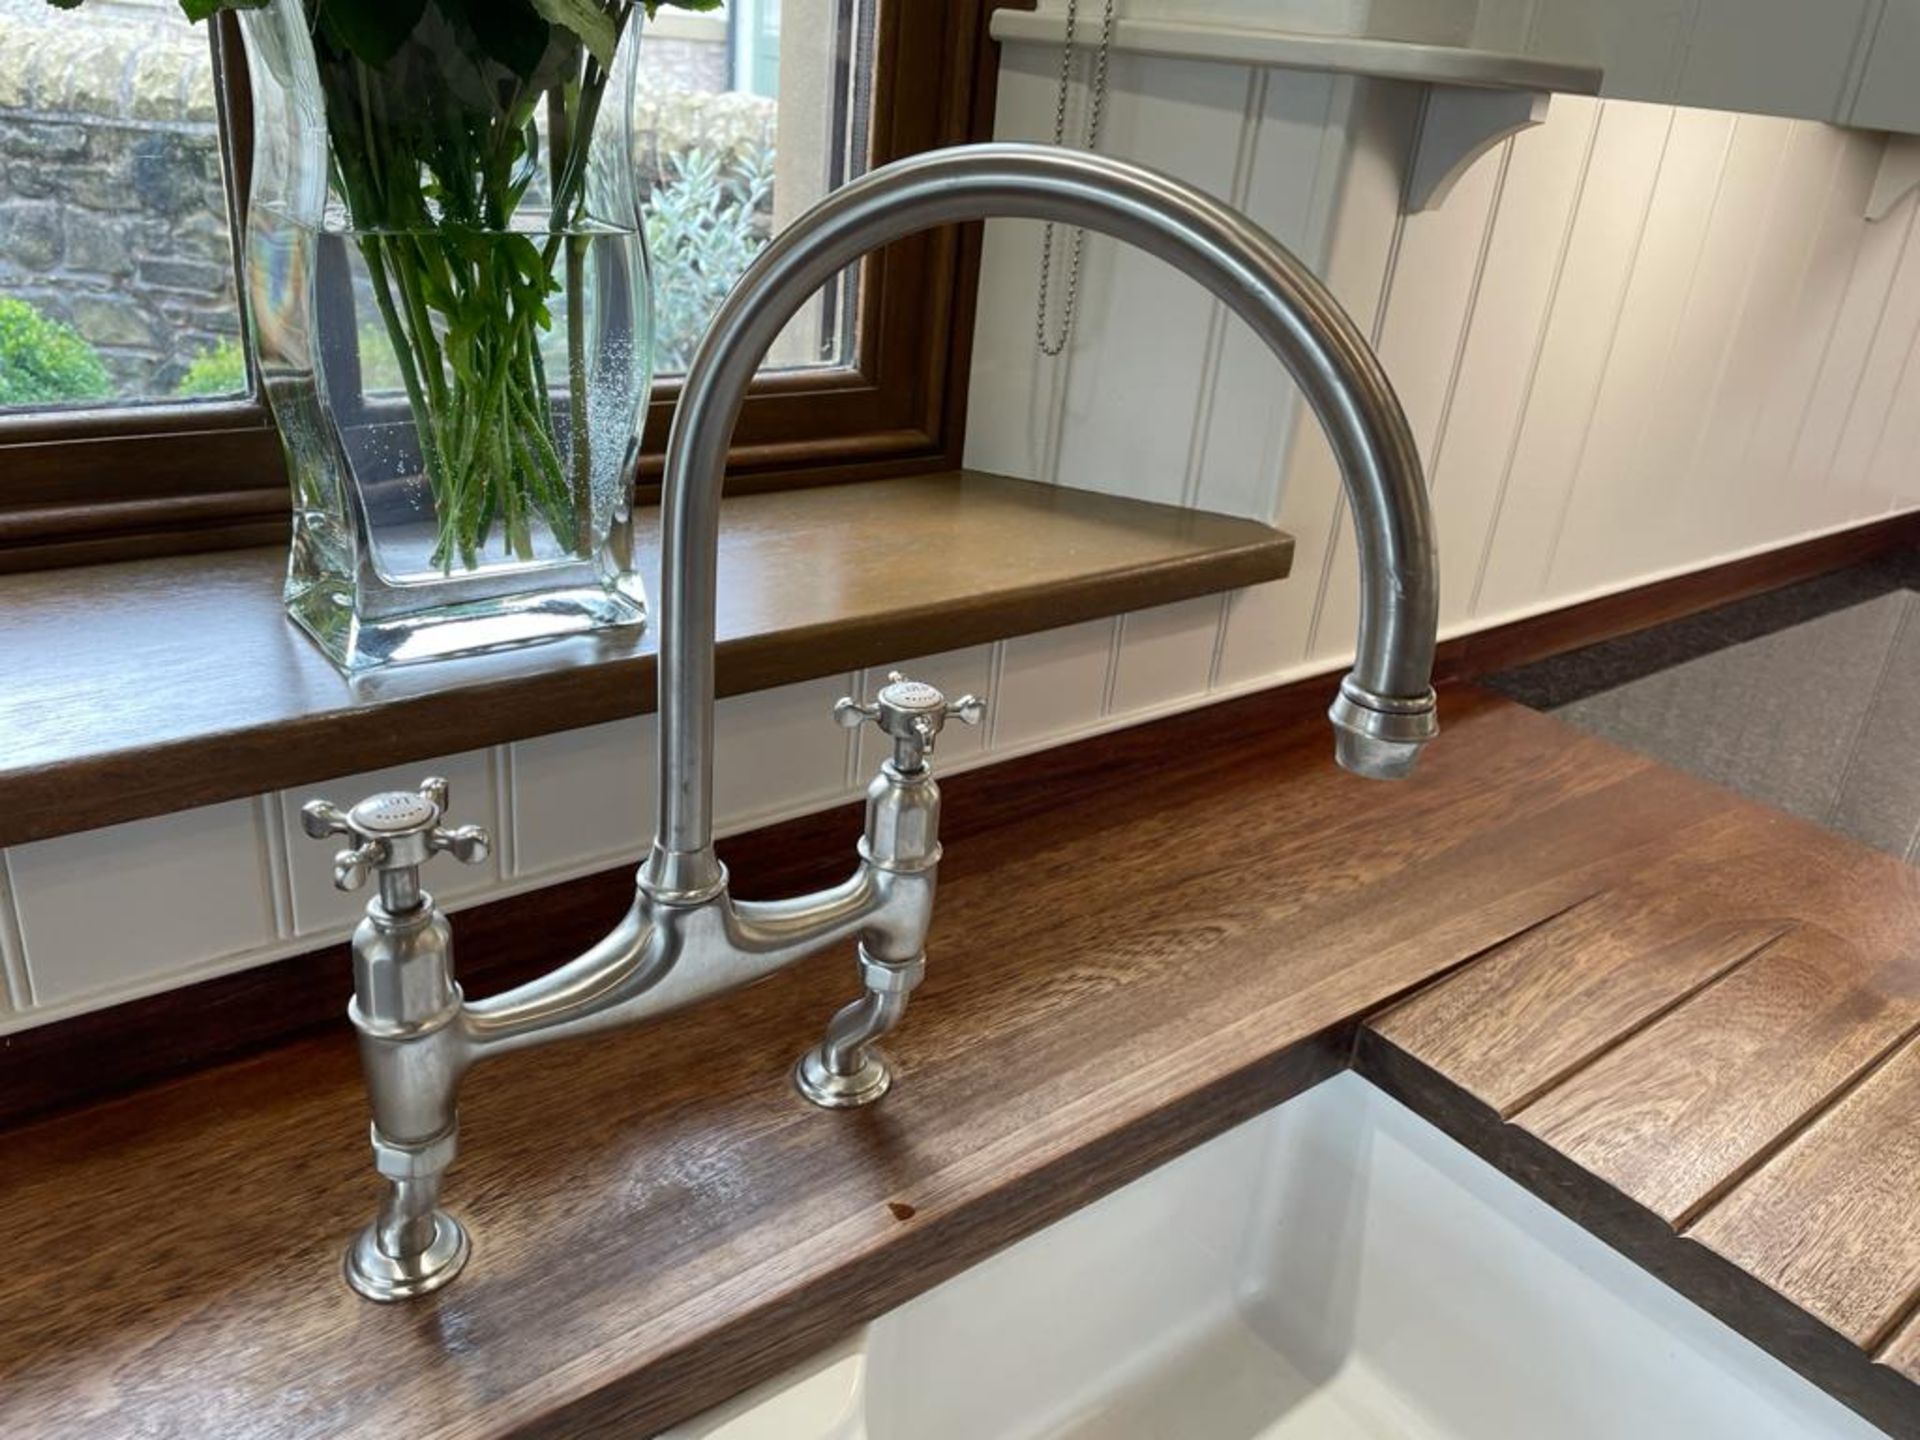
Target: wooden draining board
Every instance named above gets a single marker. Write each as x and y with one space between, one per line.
1719 1057
1120 971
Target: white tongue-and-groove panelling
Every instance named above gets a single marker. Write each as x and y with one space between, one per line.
1632 341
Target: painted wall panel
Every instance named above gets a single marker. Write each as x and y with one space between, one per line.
1617 484
1769 503
582 796
1248 403
1166 655
1677 419
1428 305
1145 328
779 752
1014 405
1833 60
1640 45
1889 479
1876 396
1887 98
1875 316
1612 217
16 991
1710 500
1249 649
1434 22
1052 683
1364 235
1472 465
112 907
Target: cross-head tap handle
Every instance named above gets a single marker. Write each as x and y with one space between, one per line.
911 713
396 832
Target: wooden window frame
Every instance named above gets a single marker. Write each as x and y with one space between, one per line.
89 486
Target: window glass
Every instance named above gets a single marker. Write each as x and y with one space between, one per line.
746 117
116 269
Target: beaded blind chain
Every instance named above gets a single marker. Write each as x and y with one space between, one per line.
1096 112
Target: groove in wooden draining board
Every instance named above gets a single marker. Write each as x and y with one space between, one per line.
1529 1014
1680 1112
1829 1222
1902 1353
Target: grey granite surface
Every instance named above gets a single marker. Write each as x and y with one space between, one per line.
1806 698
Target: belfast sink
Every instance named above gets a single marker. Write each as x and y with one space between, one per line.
1334 1270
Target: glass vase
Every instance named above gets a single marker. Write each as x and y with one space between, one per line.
451 309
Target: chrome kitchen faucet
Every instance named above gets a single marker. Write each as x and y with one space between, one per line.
685 938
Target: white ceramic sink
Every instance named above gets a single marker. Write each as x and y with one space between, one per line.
1335 1270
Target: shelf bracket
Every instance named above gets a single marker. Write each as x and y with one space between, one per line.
1458 125
1897 177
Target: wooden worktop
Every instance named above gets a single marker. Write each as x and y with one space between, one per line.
1674 1013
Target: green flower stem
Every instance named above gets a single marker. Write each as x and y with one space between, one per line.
533 431
403 351
582 438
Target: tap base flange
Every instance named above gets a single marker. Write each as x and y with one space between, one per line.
385 1278
823 1087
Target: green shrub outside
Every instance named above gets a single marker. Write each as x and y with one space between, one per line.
219 371
702 232
45 362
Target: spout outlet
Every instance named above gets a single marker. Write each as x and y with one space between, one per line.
1378 737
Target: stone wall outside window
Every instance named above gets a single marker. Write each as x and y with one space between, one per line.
112 216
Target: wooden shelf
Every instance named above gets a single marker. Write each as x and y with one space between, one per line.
1291 50
144 688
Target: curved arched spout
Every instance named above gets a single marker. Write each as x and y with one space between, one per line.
1385 710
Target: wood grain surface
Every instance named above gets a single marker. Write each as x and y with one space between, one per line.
1682 1111
207 693
1748 1306
1830 1220
136 749
1715 1065
1538 1008
1122 966
659 1221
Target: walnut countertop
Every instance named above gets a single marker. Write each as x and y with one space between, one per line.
1683 1018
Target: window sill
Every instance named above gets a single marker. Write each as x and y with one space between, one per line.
154 686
